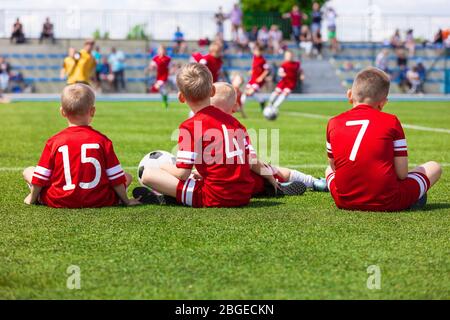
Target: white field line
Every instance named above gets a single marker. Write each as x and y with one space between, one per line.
407 126
294 166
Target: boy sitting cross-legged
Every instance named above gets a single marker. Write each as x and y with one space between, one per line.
225 99
368 154
78 167
215 142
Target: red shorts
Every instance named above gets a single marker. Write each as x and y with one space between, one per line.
160 83
286 85
410 190
255 85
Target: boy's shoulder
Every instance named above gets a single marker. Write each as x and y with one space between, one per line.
385 117
211 117
70 132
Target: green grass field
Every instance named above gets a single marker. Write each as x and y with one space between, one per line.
286 248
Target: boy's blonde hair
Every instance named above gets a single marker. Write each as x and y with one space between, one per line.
77 99
225 97
370 85
195 81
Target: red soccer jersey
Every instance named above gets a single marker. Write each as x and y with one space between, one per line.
78 169
219 147
259 65
363 143
214 64
292 71
162 67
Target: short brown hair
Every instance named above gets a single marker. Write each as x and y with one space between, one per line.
370 85
77 99
195 82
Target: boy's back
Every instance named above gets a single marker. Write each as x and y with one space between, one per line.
363 143
78 168
219 146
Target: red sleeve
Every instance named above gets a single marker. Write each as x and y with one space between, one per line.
328 144
186 154
399 140
114 170
43 171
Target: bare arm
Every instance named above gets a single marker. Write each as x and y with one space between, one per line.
122 193
263 75
34 195
179 173
260 169
401 167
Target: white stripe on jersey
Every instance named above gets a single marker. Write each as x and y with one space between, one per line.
190 192
400 143
187 155
114 170
43 171
36 175
116 176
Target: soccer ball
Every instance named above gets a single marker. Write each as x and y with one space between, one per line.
154 159
270 113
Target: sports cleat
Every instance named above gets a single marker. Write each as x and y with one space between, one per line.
420 204
293 188
262 105
320 185
165 100
147 196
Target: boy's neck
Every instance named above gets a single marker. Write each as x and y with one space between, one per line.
199 105
76 122
372 105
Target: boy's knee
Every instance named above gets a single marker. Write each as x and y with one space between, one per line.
148 177
437 167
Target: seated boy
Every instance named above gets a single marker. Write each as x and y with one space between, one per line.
368 154
215 142
226 100
78 167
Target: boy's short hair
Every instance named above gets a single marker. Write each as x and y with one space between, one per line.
195 81
77 99
225 97
370 84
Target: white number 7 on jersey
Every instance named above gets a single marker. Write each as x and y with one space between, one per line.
364 124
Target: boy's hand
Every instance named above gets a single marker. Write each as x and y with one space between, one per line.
133 202
273 182
27 199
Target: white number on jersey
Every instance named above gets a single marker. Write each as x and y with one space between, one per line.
364 124
84 159
230 154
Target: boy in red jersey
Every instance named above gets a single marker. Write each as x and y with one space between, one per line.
78 167
213 60
215 142
290 72
258 75
368 154
161 63
225 100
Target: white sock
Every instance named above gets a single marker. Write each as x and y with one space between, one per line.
305 178
279 101
243 98
258 96
273 97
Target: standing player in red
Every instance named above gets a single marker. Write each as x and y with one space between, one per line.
368 154
161 63
78 168
215 142
259 72
290 72
213 60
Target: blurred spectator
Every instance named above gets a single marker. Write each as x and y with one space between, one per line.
17 34
330 18
306 42
180 43
253 37
316 18
241 39
204 42
117 62
422 71
439 39
410 43
317 44
382 60
219 17
79 67
402 65
263 38
236 20
402 59
275 39
47 31
5 71
98 63
297 18
396 40
105 73
413 79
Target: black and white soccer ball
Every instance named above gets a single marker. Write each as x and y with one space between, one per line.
270 113
154 159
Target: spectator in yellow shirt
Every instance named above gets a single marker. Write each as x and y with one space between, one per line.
79 66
